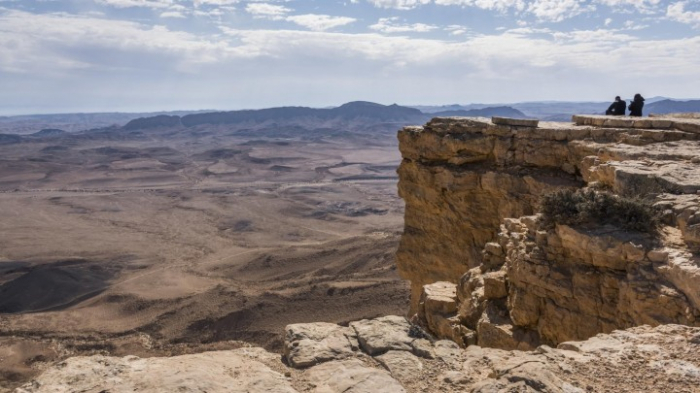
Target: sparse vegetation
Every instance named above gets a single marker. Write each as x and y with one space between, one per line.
586 206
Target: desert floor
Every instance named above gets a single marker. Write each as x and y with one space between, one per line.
173 241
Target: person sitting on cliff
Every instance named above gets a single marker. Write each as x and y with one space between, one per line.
617 108
636 105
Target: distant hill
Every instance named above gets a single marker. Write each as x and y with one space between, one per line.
374 111
49 132
655 99
503 111
543 110
359 112
153 122
672 106
73 122
560 111
349 111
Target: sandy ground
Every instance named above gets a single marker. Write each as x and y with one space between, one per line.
178 241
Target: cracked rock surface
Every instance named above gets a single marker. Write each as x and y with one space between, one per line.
641 359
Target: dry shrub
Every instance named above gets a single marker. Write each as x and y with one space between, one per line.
588 207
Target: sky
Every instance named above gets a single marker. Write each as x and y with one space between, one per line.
61 56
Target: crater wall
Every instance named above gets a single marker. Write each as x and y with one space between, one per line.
483 268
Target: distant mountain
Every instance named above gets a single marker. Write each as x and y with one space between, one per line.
349 111
655 99
73 122
503 111
672 106
49 132
543 110
358 112
361 109
153 122
560 111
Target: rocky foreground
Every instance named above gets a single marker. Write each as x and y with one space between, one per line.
388 354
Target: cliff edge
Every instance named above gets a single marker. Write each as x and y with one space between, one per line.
487 267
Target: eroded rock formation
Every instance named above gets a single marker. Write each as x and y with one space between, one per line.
485 269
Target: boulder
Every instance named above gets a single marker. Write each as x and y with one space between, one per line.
422 348
351 376
496 330
308 344
438 311
402 365
495 285
223 371
377 336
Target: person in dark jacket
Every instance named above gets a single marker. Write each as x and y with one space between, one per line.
617 108
637 105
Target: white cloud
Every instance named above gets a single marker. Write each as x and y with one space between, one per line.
494 5
644 6
48 43
399 4
678 13
544 10
634 25
30 42
172 14
457 29
199 3
137 3
558 10
317 22
390 25
266 10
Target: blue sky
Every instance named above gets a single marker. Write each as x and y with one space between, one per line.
145 55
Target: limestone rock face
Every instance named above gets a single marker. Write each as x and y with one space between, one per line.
472 189
573 284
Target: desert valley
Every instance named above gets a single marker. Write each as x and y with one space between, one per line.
171 239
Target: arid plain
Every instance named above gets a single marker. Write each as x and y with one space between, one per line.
173 240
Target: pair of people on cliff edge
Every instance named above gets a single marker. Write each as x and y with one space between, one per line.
617 108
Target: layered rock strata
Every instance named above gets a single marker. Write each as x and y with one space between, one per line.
396 359
485 269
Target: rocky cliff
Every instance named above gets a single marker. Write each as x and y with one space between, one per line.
486 268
